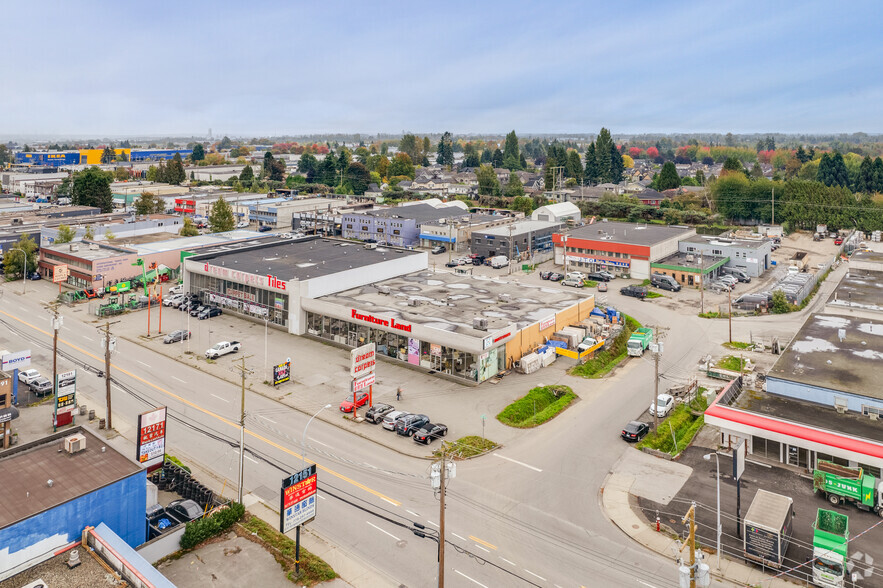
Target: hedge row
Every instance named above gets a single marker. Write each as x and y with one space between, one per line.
201 529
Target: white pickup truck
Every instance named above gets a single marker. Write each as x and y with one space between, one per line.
222 348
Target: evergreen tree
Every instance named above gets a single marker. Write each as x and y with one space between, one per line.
220 217
108 155
591 172
445 152
277 170
511 155
549 174
488 183
801 155
616 165
573 168
839 172
514 187
408 145
198 152
878 175
486 156
522 161
307 164
175 173
327 171
471 157
668 177
246 176
497 159
92 188
358 177
604 146
268 162
864 182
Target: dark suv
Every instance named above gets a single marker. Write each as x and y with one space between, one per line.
598 277
634 291
409 424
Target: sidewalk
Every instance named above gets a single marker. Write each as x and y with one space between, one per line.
619 502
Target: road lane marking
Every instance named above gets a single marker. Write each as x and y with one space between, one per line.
320 496
431 523
458 537
179 379
219 398
511 563
646 584
382 531
521 463
485 543
266 419
535 575
470 579
482 548
313 440
86 338
412 513
205 411
144 364
251 460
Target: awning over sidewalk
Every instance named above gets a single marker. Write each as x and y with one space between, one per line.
7 414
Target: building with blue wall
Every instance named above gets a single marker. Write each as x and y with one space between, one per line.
399 226
50 496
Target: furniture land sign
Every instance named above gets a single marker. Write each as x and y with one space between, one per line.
547 322
152 437
298 499
17 360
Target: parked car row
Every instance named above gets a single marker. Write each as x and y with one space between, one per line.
36 382
416 426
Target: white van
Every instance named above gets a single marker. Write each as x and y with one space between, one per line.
499 261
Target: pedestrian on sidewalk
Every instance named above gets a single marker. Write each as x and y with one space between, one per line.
399 393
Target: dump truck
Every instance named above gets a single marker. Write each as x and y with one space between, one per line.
844 484
829 543
767 528
639 341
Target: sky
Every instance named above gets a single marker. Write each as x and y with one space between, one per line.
273 68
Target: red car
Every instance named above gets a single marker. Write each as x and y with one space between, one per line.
347 405
838 241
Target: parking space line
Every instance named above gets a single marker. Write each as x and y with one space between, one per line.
535 575
382 531
470 579
219 398
483 542
521 463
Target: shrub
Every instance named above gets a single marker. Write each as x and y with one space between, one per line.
605 360
201 529
537 406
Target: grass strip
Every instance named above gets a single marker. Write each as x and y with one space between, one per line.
536 407
313 569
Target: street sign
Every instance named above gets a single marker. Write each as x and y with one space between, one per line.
19 359
739 455
298 499
364 360
66 392
282 372
60 273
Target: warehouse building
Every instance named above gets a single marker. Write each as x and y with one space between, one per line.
349 294
93 156
399 226
561 213
822 398
518 240
750 255
59 488
620 248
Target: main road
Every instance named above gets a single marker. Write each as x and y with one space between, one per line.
527 515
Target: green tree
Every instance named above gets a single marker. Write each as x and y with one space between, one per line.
511 154
732 165
497 159
668 177
445 152
308 164
487 156
591 171
267 164
358 177
92 188
488 183
522 204
198 152
122 157
64 189
549 174
780 304
801 155
408 146
65 234
514 187
89 233
121 174
277 170
13 260
604 147
189 229
616 165
401 166
149 203
246 175
427 146
5 154
471 157
108 155
220 217
573 167
108 234
175 171
151 174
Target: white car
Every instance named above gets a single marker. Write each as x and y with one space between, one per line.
663 405
173 300
389 421
174 290
29 376
576 276
242 225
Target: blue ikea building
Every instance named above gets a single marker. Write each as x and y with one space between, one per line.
48 158
55 487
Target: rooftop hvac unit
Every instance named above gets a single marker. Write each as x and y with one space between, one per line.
873 416
75 443
690 258
505 297
479 324
383 289
413 302
94 247
75 247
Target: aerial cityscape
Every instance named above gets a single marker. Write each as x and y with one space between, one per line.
498 295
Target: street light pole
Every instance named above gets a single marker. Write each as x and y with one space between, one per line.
24 268
707 457
303 441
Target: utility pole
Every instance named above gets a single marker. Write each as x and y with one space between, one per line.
109 346
730 311
774 207
658 331
441 523
691 541
56 324
510 248
701 287
243 371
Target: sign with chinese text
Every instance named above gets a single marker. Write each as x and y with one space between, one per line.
66 392
298 499
151 447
